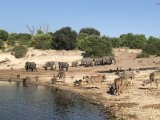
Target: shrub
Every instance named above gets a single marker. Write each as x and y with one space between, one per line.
3 35
11 42
143 55
27 43
95 46
24 36
19 51
41 41
1 44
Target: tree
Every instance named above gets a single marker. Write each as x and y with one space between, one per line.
3 35
90 31
96 46
137 41
64 38
80 39
42 41
116 42
140 41
24 36
127 40
152 46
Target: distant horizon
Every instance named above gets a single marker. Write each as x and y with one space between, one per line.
110 18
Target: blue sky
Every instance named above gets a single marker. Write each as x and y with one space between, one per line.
110 17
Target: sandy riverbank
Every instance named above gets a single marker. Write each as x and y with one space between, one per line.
136 103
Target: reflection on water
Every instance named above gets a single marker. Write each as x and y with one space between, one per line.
43 103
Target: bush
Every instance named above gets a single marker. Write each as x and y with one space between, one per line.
42 41
2 44
3 35
27 43
45 45
158 54
95 46
143 55
19 51
24 36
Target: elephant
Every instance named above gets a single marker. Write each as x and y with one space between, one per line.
74 63
50 64
30 66
108 60
63 65
87 62
98 61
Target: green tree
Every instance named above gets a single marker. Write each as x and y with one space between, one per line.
127 40
80 39
96 46
3 35
24 36
140 41
152 46
64 38
42 41
90 31
116 42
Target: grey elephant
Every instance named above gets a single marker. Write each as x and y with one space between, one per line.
63 65
50 64
108 60
87 62
30 66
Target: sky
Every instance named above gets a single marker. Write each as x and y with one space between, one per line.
111 17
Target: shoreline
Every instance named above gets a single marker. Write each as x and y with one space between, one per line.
90 95
136 103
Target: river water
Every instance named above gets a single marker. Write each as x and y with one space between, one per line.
43 103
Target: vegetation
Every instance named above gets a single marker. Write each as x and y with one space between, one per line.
12 39
90 31
1 44
24 36
88 40
42 41
64 38
19 51
3 35
143 55
94 45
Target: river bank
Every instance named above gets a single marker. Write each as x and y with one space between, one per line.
136 103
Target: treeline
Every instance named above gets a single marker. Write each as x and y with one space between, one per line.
88 40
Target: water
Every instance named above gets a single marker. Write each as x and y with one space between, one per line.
43 103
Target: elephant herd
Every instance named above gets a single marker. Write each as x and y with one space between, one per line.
31 66
98 61
52 65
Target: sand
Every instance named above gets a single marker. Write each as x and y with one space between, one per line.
136 102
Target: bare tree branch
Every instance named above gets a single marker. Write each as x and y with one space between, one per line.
31 30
